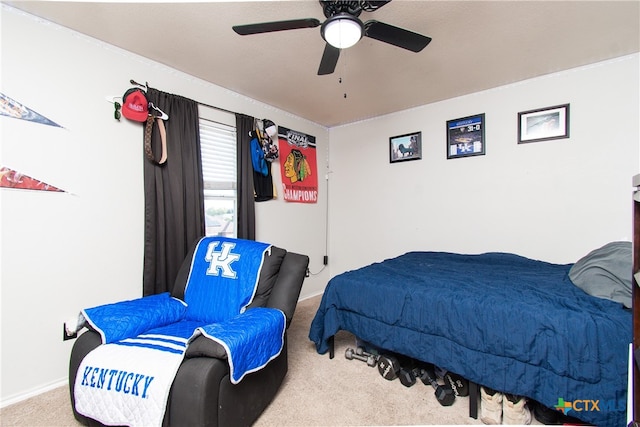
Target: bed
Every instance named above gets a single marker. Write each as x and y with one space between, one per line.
551 332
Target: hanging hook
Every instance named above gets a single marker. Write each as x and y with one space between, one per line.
145 86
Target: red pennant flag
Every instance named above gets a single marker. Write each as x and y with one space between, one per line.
10 178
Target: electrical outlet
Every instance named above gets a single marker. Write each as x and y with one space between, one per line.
65 335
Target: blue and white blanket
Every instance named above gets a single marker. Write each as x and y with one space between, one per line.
127 380
223 278
251 339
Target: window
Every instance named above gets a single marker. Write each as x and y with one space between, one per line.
218 148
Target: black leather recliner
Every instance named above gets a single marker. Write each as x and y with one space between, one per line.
202 393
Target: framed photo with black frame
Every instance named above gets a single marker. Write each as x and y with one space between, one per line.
405 147
543 124
465 137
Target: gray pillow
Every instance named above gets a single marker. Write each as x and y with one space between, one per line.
606 272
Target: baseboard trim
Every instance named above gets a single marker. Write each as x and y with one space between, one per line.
32 393
306 297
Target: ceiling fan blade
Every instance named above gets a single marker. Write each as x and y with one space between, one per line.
396 36
268 27
329 60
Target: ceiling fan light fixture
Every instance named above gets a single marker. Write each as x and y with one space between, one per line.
342 31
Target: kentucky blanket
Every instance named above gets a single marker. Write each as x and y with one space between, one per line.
251 339
127 380
223 278
224 275
126 319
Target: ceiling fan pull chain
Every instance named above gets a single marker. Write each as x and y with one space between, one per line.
344 73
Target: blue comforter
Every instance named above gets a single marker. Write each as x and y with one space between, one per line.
500 320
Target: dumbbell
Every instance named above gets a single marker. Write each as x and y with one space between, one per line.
388 367
372 359
459 384
444 393
361 352
391 367
360 355
408 376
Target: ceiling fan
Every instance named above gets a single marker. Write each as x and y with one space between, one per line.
343 29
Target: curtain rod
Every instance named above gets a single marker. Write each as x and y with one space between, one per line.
146 86
216 108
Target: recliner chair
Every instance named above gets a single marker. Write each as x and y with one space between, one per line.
202 393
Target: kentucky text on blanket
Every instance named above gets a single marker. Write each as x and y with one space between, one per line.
116 380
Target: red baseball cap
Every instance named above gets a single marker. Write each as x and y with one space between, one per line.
135 105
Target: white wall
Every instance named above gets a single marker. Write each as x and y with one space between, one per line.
553 200
64 252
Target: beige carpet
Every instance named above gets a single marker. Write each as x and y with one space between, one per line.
317 391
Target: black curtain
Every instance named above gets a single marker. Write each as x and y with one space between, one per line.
246 202
174 199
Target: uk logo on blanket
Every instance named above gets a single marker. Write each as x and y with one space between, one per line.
223 278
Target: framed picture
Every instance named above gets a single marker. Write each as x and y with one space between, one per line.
543 124
405 147
465 137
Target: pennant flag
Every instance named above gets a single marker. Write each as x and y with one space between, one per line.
12 108
9 178
298 166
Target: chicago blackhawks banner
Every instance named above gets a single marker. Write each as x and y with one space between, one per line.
298 166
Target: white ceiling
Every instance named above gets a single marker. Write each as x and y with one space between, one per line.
476 45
